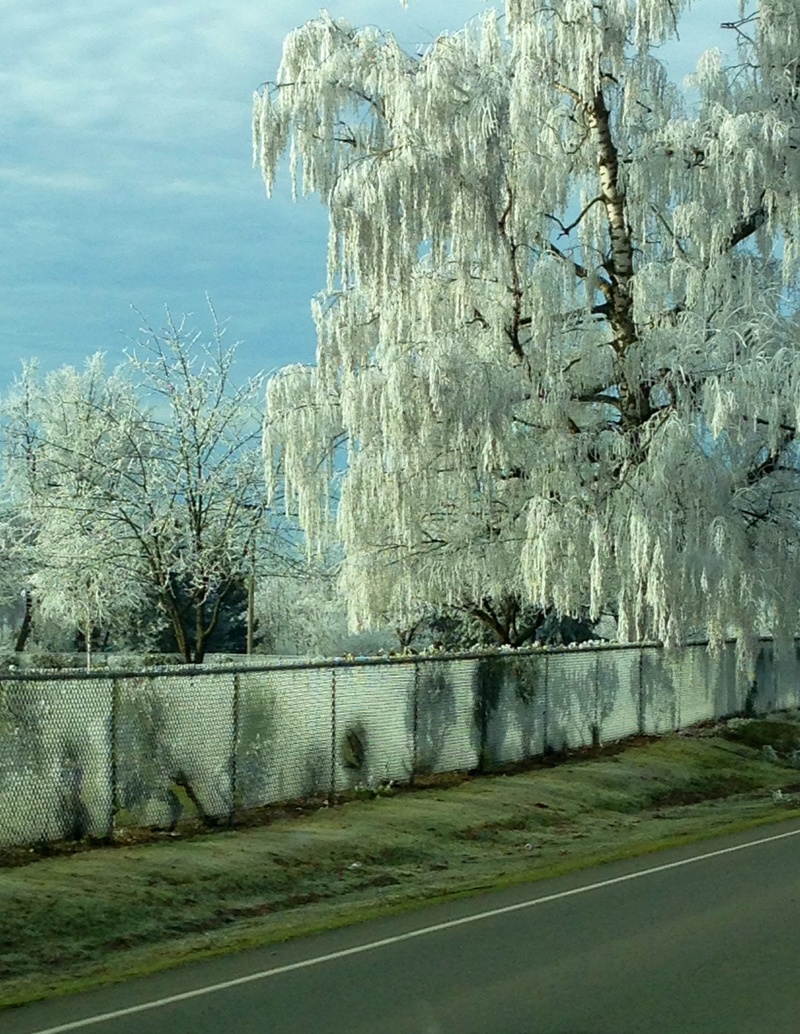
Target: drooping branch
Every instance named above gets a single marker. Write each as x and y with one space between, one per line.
747 227
567 230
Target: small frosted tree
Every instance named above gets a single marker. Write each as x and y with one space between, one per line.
67 451
560 331
15 595
145 486
82 583
300 612
197 508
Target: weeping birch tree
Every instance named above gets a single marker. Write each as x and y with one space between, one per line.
559 338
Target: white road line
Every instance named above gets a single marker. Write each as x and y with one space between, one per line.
398 938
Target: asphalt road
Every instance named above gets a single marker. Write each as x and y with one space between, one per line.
698 939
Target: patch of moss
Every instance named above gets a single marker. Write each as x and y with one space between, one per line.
782 736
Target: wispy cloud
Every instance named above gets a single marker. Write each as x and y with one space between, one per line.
31 177
190 188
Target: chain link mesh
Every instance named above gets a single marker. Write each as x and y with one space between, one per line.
374 736
87 754
618 694
283 745
174 745
55 761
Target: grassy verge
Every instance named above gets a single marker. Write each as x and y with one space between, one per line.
74 921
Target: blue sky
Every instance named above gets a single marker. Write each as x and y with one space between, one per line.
126 176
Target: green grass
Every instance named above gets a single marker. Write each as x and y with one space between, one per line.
73 921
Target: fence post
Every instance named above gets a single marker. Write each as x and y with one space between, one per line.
235 745
114 759
415 725
492 672
596 738
546 708
641 691
480 714
332 789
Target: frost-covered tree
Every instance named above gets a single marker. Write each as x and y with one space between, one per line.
197 511
15 596
81 582
300 612
68 447
145 486
560 330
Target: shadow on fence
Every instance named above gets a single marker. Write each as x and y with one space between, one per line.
84 754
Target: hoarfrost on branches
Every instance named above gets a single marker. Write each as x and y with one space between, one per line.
142 488
68 450
560 331
299 612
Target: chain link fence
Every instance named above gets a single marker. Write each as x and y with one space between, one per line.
88 753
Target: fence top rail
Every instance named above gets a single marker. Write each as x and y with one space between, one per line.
329 663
